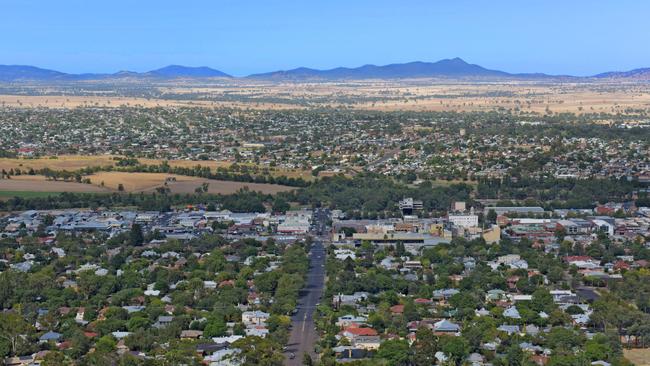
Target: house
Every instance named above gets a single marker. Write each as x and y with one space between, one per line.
163 321
50 336
79 318
343 254
257 331
19 361
512 313
254 317
531 330
367 342
191 334
475 359
352 333
349 353
509 329
397 309
446 327
340 299
444 294
495 295
349 320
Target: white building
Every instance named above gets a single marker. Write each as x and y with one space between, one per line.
465 220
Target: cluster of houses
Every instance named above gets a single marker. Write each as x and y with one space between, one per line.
362 340
182 224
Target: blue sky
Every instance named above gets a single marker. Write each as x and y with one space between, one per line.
241 37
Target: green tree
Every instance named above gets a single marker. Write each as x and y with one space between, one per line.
258 351
425 347
13 328
456 348
394 351
216 327
136 238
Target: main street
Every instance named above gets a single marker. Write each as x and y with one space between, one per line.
303 332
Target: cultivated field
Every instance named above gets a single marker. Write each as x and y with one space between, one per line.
148 182
63 162
38 183
75 162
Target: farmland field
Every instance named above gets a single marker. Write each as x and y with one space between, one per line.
75 162
38 183
148 182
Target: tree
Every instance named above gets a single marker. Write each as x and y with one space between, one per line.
410 311
491 216
395 351
12 328
136 238
105 344
280 205
216 261
456 348
55 358
258 351
306 359
515 355
425 347
216 327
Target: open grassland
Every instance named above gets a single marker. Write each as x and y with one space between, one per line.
85 101
586 96
148 182
638 356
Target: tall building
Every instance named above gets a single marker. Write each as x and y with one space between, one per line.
408 206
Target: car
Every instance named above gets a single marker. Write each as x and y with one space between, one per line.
292 356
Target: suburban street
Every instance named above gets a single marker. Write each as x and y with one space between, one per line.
303 333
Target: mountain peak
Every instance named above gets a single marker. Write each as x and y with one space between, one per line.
455 67
187 71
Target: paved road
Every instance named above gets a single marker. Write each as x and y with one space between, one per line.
303 333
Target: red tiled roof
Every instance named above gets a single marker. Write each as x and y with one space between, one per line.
397 309
361 331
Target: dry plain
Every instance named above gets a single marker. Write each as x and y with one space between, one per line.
584 96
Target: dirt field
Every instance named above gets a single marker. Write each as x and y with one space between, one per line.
639 357
148 182
37 183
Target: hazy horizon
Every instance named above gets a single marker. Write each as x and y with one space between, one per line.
581 38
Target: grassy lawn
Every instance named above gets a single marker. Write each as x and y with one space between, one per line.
638 356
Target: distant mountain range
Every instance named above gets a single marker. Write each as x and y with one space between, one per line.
636 74
449 68
10 73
